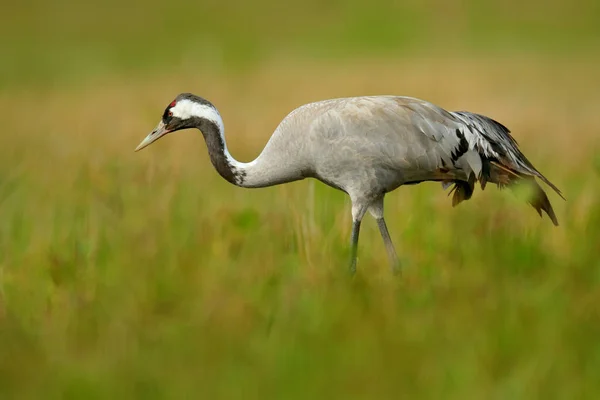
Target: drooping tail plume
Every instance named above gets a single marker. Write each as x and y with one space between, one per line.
503 163
540 202
504 175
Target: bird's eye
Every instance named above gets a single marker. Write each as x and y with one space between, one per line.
170 114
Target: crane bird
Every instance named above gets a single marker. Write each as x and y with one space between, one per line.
368 146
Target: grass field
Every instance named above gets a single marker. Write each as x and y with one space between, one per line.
145 275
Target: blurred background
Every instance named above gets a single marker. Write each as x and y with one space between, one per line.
148 276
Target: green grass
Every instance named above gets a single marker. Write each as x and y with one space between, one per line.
145 275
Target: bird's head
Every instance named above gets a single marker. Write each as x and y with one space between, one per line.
186 111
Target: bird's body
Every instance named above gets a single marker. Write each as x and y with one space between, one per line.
368 146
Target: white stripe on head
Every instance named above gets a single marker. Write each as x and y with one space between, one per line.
186 108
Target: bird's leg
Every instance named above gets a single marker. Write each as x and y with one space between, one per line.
376 210
354 245
389 246
358 211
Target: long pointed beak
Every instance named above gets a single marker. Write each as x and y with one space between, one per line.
158 132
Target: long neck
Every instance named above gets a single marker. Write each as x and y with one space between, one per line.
267 169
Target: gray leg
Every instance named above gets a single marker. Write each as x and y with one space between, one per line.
354 245
359 208
389 246
376 210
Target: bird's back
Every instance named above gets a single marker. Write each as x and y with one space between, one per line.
373 141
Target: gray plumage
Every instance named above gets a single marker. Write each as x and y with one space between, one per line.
367 147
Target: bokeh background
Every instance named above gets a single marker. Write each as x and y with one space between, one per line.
145 275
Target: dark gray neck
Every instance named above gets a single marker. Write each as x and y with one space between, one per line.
269 169
217 152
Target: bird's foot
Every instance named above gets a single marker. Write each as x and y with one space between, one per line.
396 268
352 268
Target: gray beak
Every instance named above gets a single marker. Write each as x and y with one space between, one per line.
158 132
